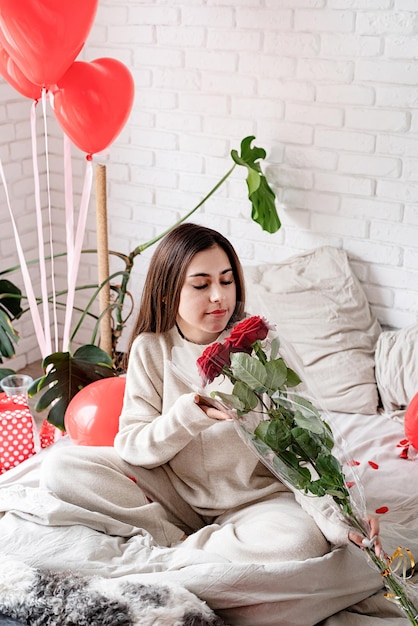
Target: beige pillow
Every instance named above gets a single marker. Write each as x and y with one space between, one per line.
319 306
397 367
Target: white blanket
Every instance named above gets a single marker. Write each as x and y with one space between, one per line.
41 531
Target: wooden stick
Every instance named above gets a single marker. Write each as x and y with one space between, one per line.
103 258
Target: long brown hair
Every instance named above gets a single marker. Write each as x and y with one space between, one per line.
167 273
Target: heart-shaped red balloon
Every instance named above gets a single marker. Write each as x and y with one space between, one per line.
16 78
43 37
92 102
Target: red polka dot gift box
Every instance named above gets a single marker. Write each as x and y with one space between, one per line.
17 431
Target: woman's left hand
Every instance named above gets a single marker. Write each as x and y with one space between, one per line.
373 541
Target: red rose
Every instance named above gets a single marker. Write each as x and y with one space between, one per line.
246 333
212 361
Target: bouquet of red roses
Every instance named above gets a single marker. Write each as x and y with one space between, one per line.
286 431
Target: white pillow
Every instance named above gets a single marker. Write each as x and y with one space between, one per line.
319 306
397 367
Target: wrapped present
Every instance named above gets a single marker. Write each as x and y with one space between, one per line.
18 435
49 434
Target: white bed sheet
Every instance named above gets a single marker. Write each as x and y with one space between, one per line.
39 530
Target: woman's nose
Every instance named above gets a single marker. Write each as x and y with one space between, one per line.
215 294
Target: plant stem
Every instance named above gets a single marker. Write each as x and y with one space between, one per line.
129 260
144 246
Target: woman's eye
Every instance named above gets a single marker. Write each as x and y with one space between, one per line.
223 282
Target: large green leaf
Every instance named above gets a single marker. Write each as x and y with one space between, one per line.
10 297
260 194
5 371
66 375
8 337
264 208
249 155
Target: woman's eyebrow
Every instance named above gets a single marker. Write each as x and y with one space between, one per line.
204 274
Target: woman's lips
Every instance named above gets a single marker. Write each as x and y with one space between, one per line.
218 313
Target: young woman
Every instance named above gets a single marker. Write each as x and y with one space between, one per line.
178 467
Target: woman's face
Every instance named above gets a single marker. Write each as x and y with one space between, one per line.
208 296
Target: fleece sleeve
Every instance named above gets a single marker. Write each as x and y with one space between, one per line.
159 416
326 516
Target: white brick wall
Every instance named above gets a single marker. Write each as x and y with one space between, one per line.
327 86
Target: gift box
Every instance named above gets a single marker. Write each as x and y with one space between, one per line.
49 434
18 435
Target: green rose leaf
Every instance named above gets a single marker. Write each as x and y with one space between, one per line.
274 348
337 494
316 488
307 404
248 370
288 467
323 486
248 398
309 421
327 465
276 374
229 399
306 442
292 378
261 429
278 435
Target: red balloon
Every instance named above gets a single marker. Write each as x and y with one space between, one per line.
44 37
93 101
411 422
92 416
16 78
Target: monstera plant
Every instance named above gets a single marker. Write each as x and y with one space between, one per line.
67 373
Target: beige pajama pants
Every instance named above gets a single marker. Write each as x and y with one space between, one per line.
97 479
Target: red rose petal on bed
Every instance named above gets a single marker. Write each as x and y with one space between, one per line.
382 509
350 483
373 465
353 462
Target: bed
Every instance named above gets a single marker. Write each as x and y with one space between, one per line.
363 378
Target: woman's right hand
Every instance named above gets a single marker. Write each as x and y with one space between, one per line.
374 539
211 409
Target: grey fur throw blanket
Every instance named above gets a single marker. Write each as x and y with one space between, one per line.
38 597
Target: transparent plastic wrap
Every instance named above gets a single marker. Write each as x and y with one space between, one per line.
280 418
